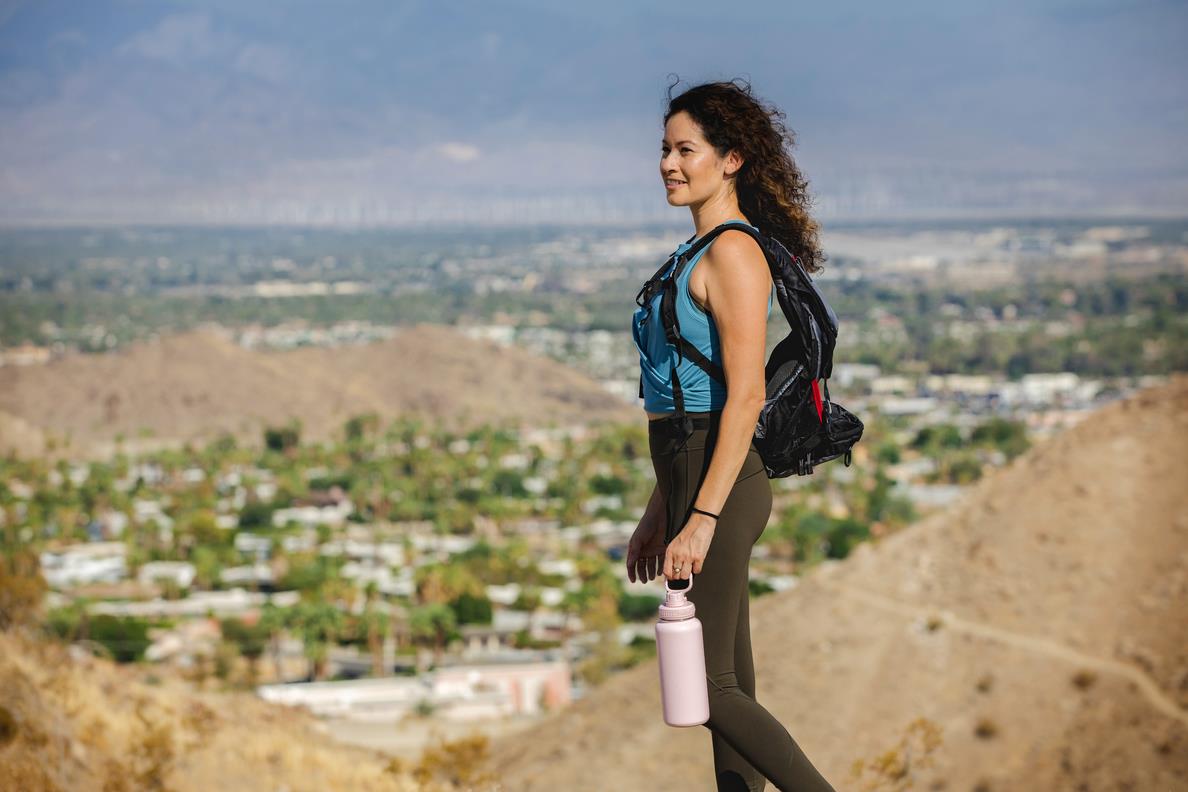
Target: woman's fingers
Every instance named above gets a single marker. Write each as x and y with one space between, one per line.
673 560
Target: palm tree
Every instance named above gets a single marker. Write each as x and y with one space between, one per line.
433 623
319 623
274 620
376 625
440 583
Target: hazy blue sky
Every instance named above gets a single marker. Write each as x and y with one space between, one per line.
368 110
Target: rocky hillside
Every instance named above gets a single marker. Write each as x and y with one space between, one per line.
1039 628
82 724
197 384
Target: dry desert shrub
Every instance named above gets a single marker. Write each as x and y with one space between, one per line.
455 765
897 768
986 728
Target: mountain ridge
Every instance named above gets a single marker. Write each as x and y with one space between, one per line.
194 385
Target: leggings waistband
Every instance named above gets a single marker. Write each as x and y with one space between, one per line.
698 420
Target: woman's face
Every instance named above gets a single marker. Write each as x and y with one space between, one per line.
691 169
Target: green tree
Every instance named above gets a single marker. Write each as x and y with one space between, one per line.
1009 437
319 624
283 438
249 639
934 438
432 624
637 607
307 573
471 608
255 515
443 583
362 426
375 625
273 622
125 638
203 529
844 535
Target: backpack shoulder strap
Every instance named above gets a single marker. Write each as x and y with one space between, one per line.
713 233
648 290
672 328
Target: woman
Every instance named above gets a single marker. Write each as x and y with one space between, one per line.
724 156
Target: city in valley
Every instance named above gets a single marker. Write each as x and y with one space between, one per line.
394 569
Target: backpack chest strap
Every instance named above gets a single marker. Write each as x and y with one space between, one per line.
672 331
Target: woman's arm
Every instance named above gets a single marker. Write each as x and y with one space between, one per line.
737 282
645 549
655 508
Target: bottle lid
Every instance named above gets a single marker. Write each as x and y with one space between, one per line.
676 606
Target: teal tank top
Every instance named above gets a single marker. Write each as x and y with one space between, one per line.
702 392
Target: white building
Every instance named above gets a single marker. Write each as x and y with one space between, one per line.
257 574
462 692
253 545
92 562
386 581
504 594
312 516
908 406
220 603
180 573
377 552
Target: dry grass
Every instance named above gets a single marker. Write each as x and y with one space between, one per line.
89 725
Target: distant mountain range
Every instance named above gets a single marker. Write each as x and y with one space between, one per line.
418 112
195 385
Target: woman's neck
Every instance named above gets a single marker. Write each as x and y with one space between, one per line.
707 218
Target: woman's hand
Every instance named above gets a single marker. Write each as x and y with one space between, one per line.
645 550
689 548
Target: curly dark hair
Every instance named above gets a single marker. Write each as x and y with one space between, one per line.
772 193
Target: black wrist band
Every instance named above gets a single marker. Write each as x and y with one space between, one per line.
703 511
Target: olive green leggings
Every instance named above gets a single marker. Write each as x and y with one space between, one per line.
748 742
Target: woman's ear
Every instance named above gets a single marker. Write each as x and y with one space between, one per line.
734 163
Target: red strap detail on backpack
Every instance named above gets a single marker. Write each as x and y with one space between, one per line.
819 403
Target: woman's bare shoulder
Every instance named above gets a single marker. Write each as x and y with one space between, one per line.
738 256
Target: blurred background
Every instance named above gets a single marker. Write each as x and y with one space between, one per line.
321 444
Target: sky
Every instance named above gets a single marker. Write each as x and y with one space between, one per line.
406 112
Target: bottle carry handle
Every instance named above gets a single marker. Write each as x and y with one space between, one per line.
688 584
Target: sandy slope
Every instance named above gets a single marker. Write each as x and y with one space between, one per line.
1069 566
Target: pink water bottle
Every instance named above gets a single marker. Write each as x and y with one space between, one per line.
681 656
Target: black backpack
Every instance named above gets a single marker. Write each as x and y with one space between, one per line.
799 425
